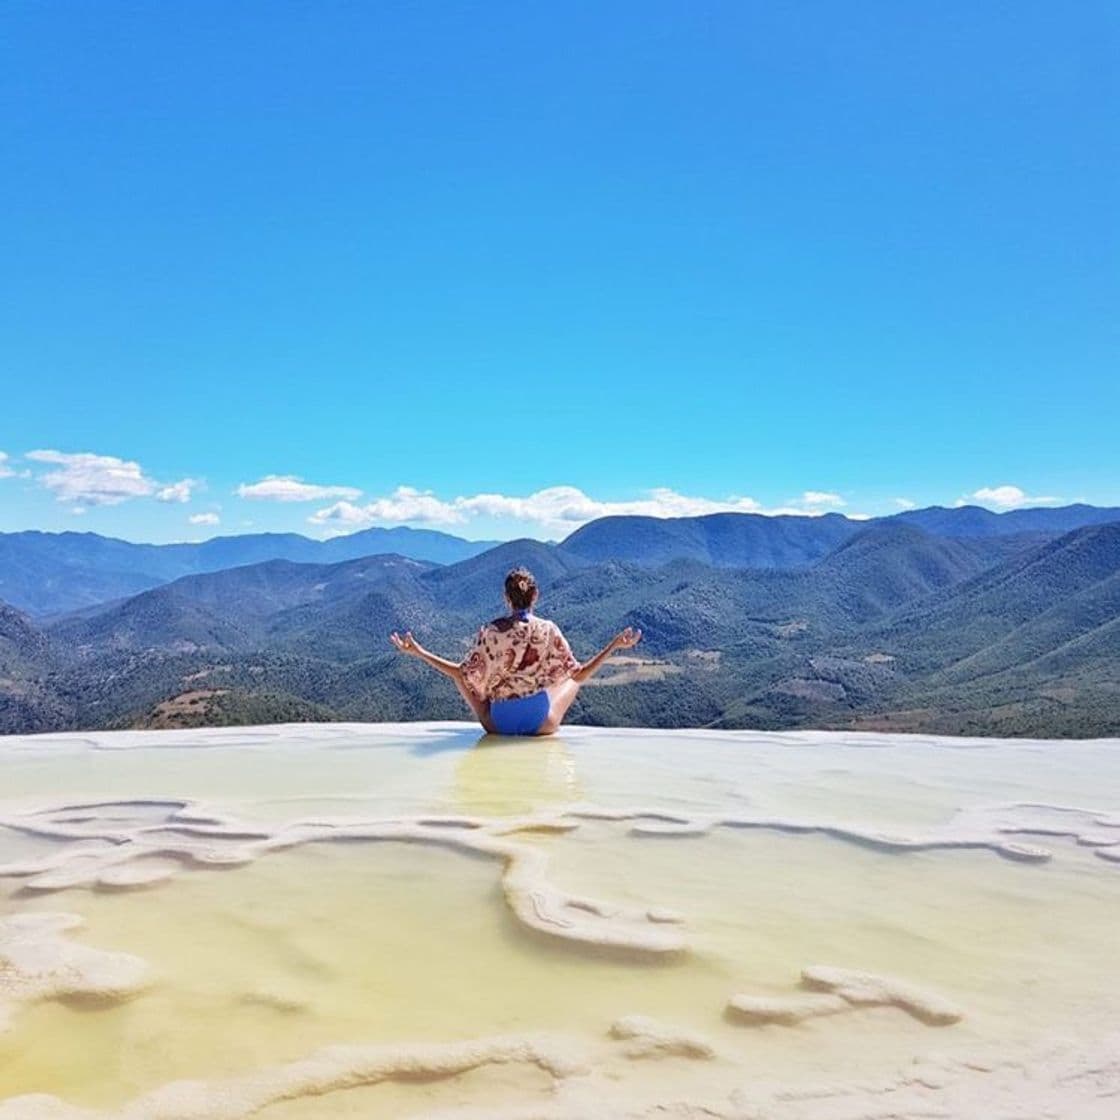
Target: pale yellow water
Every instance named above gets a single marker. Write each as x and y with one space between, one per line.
392 941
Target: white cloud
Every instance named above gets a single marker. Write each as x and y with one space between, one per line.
98 480
570 506
405 504
1006 497
204 519
561 508
905 503
5 470
178 491
102 480
821 498
291 488
553 510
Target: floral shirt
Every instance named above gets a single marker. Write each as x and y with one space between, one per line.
516 657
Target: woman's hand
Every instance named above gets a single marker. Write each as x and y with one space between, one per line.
405 643
627 639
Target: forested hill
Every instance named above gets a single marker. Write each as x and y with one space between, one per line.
752 540
891 626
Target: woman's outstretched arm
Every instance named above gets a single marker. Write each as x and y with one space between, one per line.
628 639
406 643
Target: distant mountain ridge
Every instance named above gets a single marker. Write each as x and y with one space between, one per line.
45 573
895 627
975 521
754 540
50 573
724 540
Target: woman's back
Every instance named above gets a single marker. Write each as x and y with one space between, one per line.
520 677
517 655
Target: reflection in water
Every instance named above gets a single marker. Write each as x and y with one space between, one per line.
499 777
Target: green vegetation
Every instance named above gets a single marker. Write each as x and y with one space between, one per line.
894 629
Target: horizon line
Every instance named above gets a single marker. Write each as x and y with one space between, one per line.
807 516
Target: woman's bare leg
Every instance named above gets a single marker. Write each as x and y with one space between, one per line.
481 708
560 697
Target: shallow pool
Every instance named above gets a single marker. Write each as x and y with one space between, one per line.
410 920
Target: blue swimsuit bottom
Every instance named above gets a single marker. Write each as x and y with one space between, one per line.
521 716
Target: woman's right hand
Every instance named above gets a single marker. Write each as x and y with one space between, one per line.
627 639
405 643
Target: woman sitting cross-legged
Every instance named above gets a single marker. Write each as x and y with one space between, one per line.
520 676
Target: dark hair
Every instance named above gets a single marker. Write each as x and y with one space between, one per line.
521 588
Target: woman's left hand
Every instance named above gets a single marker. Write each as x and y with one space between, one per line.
405 643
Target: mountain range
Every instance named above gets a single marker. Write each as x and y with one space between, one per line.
44 573
951 620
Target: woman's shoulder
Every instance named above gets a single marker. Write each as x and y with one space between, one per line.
547 626
537 625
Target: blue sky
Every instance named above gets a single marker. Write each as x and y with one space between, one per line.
268 264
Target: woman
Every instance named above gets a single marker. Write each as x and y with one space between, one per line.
520 676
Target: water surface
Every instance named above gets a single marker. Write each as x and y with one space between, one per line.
257 873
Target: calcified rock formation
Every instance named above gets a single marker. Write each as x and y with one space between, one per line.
985 827
107 851
868 989
831 991
38 962
647 1037
957 834
639 1068
1054 1081
326 1070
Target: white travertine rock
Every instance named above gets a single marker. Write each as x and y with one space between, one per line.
200 836
111 854
647 1037
324 1071
140 873
787 1010
119 845
1050 1081
38 962
836 990
872 989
